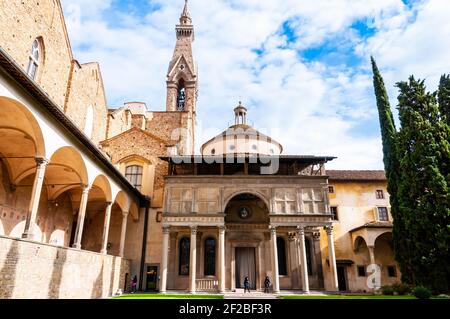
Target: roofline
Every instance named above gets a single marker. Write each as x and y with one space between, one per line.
199 158
10 67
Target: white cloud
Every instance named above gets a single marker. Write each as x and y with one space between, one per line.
310 107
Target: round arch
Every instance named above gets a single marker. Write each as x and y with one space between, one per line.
123 201
66 170
358 243
134 211
247 191
102 183
22 139
137 158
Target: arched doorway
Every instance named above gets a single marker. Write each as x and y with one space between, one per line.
247 223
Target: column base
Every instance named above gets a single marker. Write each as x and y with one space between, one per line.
76 246
104 252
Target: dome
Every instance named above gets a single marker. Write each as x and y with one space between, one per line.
241 139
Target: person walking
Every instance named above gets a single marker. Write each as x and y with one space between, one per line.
134 285
246 284
266 284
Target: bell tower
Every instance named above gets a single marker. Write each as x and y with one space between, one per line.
182 83
182 73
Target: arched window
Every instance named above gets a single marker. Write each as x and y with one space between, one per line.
282 264
181 96
185 250
210 257
308 255
134 175
89 124
35 56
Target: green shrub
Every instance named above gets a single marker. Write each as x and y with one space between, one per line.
421 292
387 290
400 288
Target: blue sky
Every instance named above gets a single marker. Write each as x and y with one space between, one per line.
301 67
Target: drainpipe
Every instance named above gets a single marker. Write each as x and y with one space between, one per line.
144 244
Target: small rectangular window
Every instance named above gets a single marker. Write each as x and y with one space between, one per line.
392 271
379 194
361 271
383 214
334 212
331 189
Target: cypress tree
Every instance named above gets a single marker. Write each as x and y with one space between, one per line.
444 98
423 189
391 165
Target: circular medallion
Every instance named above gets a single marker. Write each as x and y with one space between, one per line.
244 212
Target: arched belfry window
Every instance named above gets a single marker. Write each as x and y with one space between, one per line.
184 256
282 264
35 57
210 257
181 96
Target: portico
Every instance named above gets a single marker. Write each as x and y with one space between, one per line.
217 229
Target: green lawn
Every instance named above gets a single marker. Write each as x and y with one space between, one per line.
348 297
168 296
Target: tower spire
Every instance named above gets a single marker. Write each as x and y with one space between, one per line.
185 18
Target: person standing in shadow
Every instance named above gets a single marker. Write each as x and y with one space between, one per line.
246 284
266 284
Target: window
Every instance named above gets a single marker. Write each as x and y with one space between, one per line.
379 194
213 151
134 175
232 147
334 212
33 64
184 257
361 271
210 257
181 96
383 214
89 124
254 147
392 271
281 249
331 189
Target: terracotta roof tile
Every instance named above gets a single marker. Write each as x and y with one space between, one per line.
354 175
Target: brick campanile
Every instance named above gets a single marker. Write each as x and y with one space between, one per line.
182 80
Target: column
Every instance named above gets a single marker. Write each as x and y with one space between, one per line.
304 269
123 233
165 253
41 164
371 254
81 216
106 228
332 258
276 278
193 259
222 258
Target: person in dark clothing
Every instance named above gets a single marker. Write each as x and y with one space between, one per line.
266 284
246 284
134 285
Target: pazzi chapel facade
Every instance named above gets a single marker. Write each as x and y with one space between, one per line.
91 196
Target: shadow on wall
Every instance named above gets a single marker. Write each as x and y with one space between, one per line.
97 289
54 286
8 271
113 272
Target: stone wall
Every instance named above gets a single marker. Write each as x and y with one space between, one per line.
39 271
24 21
86 91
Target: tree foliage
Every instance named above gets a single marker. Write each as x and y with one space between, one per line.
417 160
